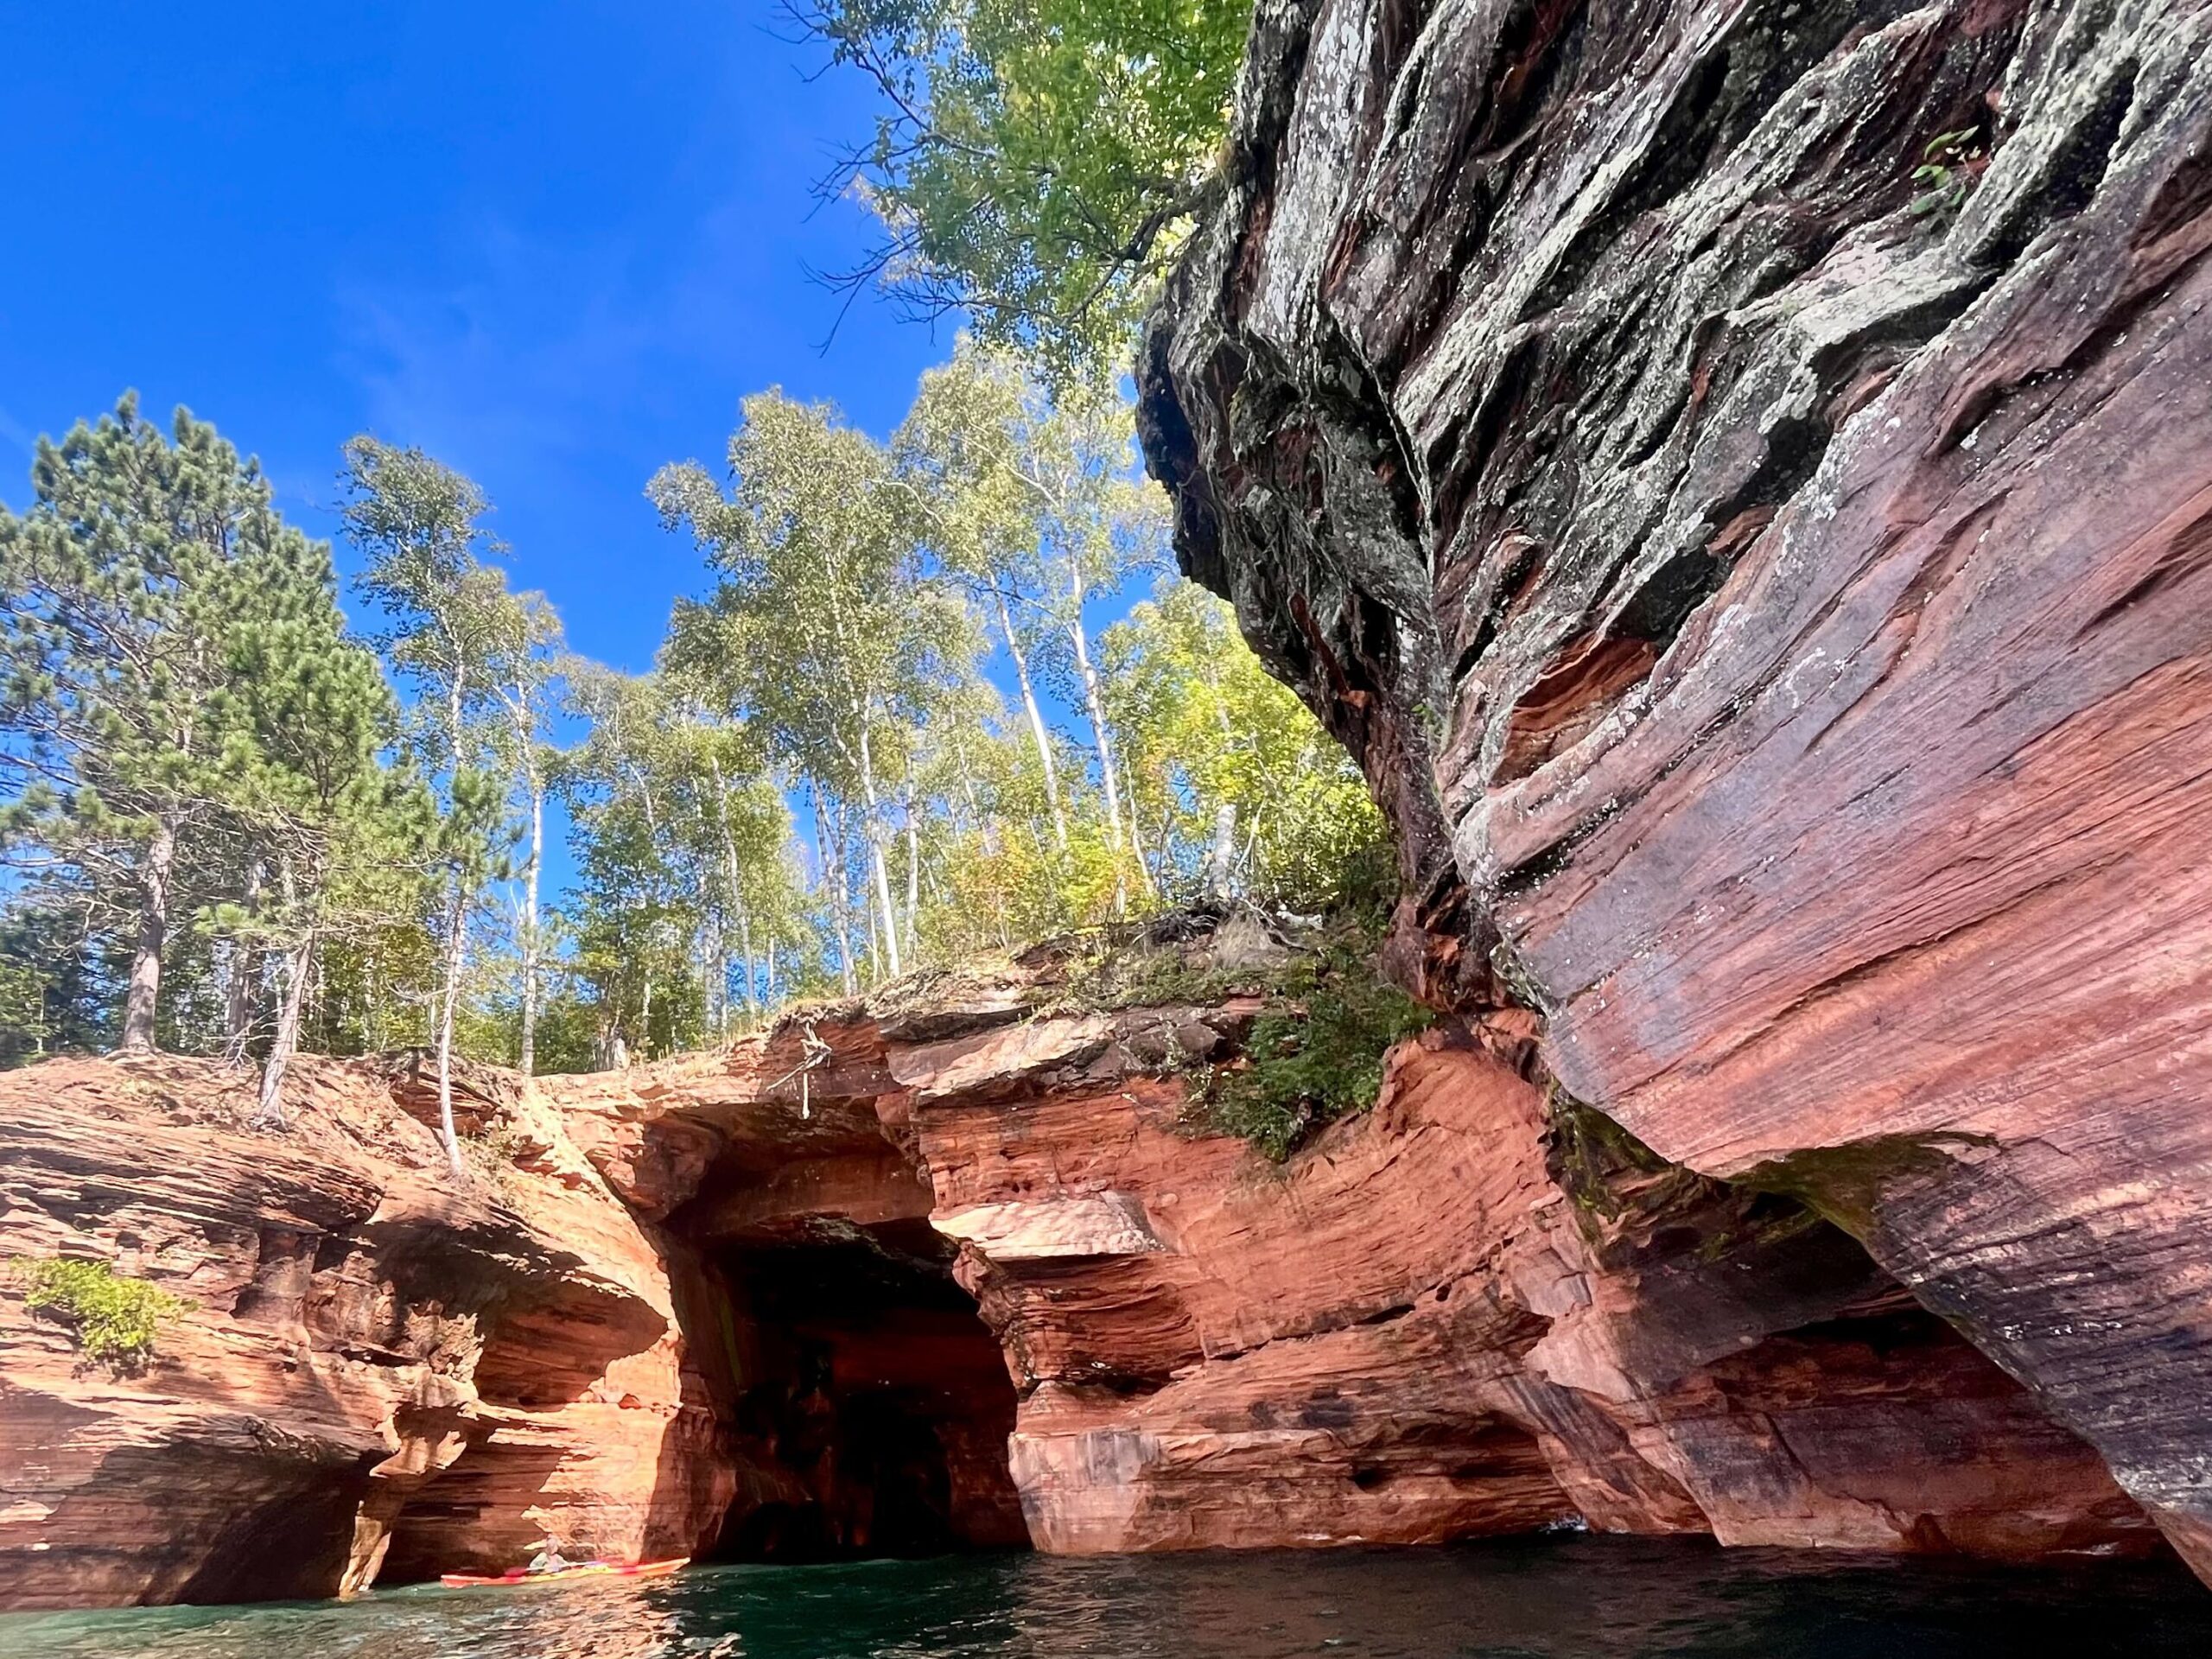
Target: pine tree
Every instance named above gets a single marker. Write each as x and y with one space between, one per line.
337 833
128 585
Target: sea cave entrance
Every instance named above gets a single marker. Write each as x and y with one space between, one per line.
865 1405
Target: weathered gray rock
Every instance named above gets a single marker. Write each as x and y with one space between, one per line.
1772 594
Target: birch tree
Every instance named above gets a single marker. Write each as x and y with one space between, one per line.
1039 161
1031 497
959 453
417 526
1239 790
820 632
525 651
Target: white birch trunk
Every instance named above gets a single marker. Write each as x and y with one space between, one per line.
1037 731
879 866
530 941
449 995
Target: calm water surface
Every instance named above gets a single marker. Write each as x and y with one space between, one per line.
1574 1597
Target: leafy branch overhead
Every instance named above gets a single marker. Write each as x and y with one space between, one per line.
1038 162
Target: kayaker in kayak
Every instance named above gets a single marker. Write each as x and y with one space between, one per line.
549 1559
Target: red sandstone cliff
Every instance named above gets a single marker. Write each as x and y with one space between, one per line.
1470 1311
1771 590
373 1369
957 1268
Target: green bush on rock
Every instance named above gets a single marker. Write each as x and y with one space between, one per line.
115 1318
1316 1059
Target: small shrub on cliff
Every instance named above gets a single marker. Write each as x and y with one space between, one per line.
492 1155
1950 168
1316 1059
114 1319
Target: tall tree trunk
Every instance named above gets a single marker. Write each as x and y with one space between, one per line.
966 779
1221 859
1080 640
913 868
270 1113
725 965
449 994
530 940
143 999
239 990
833 878
733 880
879 866
1037 731
744 939
1137 835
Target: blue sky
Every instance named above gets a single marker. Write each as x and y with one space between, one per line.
553 243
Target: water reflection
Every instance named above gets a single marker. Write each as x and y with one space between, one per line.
1572 1599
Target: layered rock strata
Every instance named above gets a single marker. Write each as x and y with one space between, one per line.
1738 475
375 1369
1476 1309
962 1268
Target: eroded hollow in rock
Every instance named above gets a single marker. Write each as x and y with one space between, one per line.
862 1400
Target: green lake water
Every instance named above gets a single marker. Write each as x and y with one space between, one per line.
1575 1598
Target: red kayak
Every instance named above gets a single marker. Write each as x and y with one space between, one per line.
585 1570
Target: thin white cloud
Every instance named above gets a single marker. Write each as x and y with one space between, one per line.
16 436
518 364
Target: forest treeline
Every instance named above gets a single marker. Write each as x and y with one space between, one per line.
246 813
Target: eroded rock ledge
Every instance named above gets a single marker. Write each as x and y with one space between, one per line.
374 1371
1771 593
959 1269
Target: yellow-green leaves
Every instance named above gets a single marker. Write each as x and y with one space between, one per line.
112 1318
1039 160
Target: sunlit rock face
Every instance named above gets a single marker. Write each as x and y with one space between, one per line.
1473 1310
957 1268
375 1370
1770 589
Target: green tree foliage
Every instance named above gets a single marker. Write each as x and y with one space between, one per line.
892 733
144 576
683 895
1236 786
818 636
1028 503
417 526
61 977
1039 161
